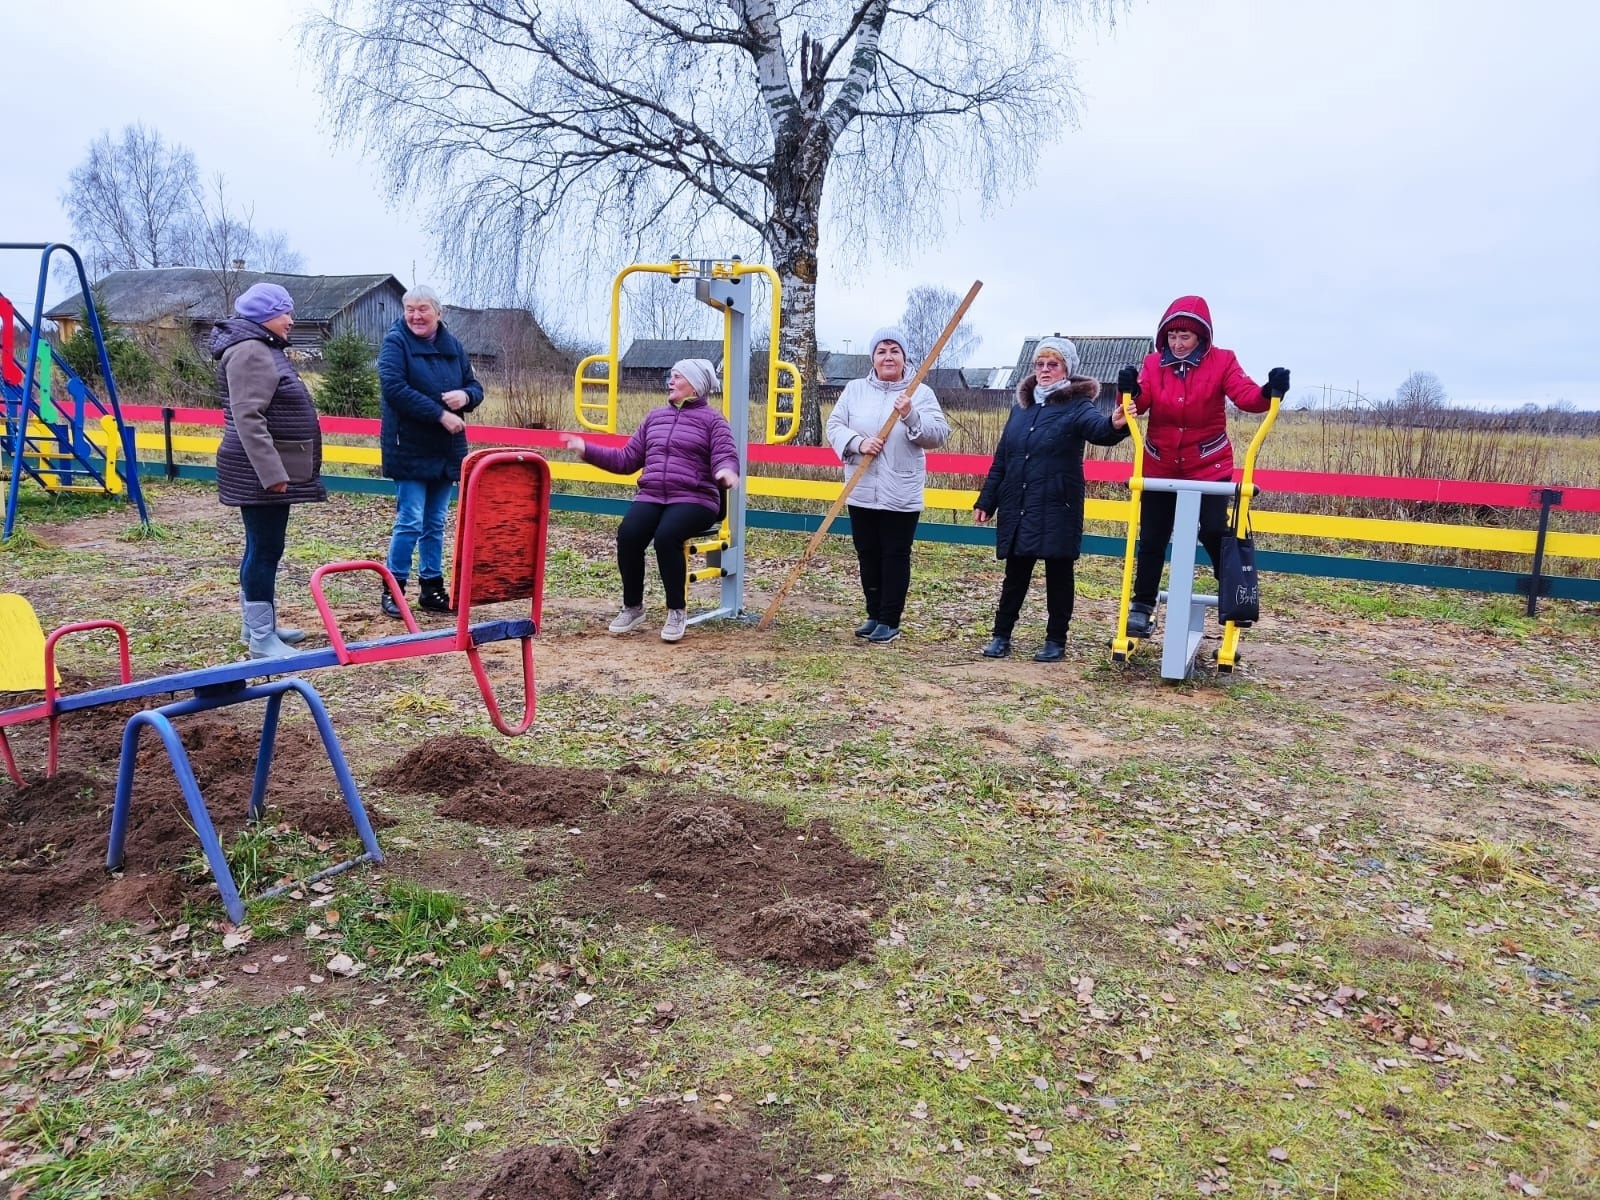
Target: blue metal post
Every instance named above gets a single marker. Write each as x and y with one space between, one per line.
269 743
160 719
336 759
198 814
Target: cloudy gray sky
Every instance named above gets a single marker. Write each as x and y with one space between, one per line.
1360 189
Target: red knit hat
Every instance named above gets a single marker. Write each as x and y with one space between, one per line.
1185 325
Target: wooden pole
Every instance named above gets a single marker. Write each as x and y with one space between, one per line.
866 459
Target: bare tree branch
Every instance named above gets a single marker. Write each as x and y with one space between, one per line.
550 135
137 202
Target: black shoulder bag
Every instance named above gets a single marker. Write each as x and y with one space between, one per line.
1238 588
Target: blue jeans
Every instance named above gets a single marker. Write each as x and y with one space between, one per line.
420 509
265 528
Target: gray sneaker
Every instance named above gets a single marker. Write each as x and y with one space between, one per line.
677 621
629 619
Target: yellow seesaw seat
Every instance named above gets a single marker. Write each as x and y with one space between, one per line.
21 646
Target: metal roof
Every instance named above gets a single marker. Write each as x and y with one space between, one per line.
986 378
1099 356
489 332
658 354
198 294
837 369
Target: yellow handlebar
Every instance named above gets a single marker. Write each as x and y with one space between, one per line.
782 420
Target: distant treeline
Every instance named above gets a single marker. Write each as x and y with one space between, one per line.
1558 419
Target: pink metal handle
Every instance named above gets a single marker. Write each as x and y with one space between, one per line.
486 689
50 690
331 622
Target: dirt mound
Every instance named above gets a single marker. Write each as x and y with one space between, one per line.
731 871
54 833
807 933
481 786
702 827
537 1173
656 1152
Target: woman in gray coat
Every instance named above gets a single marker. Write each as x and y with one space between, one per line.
886 504
270 458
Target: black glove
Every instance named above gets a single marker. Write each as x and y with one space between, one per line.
1277 382
1128 382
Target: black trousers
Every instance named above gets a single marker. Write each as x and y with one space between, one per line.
1058 595
883 550
1156 513
669 525
266 527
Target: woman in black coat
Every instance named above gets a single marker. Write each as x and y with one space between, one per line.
1035 490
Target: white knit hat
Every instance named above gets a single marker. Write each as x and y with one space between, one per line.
1063 347
700 373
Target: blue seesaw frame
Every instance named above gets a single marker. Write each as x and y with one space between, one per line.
500 551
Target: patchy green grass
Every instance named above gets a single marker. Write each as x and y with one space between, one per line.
1329 928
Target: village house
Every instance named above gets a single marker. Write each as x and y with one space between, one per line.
1099 358
165 303
644 366
502 340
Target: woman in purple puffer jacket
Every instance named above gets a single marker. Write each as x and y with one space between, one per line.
686 452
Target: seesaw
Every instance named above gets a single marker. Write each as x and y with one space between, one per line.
500 557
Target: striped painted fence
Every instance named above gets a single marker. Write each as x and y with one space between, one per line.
1538 546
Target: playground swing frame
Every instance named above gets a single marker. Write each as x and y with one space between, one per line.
26 423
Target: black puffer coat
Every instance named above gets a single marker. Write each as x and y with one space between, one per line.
270 433
1034 489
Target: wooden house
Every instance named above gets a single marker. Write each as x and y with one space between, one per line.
647 362
501 340
1099 357
165 303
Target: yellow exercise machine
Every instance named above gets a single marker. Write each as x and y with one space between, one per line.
1181 638
726 287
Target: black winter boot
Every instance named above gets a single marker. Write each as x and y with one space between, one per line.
390 608
433 598
1141 619
998 647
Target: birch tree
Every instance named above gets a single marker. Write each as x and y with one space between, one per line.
594 128
136 201
131 201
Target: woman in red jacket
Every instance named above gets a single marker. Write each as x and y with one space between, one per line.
1184 386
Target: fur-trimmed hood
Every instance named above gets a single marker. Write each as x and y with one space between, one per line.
1077 386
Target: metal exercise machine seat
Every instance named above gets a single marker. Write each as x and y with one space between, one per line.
726 287
500 556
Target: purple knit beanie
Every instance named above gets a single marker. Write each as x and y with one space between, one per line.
263 301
